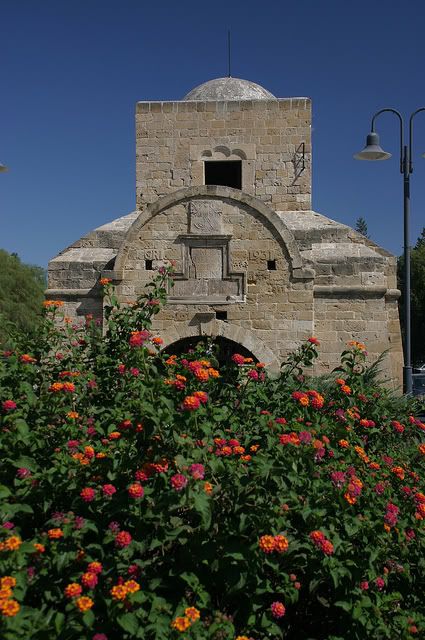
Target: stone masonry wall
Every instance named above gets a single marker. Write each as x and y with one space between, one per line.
173 139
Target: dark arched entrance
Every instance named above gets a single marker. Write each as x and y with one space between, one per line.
220 348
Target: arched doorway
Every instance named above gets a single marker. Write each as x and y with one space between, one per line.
219 347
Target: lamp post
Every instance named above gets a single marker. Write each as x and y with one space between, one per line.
373 151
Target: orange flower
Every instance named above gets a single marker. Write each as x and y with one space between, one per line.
13 543
213 373
280 544
114 435
350 498
119 592
208 488
7 581
304 401
9 608
104 281
40 548
192 613
157 340
344 444
399 472
52 303
55 534
267 544
181 623
421 449
73 415
242 638
5 592
346 389
73 590
101 455
131 586
84 603
27 358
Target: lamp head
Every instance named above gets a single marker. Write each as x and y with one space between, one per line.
372 150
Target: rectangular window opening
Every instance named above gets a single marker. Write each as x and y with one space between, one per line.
221 315
227 173
271 265
148 265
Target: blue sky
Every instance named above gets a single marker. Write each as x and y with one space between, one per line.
71 73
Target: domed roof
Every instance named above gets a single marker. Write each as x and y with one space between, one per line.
229 89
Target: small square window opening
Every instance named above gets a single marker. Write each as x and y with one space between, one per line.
227 173
221 315
148 265
271 265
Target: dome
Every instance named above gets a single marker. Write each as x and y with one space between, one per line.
229 89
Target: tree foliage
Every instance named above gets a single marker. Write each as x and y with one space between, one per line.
417 276
21 293
361 227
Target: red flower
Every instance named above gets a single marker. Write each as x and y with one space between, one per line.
123 539
197 471
138 338
136 490
95 567
202 396
8 405
313 340
191 403
89 580
88 494
238 359
278 609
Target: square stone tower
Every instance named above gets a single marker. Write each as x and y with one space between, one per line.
229 132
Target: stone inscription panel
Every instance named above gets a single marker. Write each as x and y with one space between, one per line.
205 216
206 262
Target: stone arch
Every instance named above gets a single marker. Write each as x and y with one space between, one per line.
284 235
217 328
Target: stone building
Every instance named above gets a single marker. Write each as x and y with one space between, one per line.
223 188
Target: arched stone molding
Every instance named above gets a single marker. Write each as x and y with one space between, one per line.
283 234
215 328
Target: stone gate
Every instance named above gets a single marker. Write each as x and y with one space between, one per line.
223 189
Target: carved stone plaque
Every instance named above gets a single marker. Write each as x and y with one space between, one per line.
206 262
205 216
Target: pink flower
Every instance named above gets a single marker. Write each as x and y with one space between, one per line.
364 586
121 369
100 636
123 539
134 371
253 374
8 525
8 405
338 478
108 489
238 359
73 444
278 609
197 471
23 472
305 437
380 583
88 494
178 481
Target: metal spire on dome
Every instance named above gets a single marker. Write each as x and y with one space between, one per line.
229 75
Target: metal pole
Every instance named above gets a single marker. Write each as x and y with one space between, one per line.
407 369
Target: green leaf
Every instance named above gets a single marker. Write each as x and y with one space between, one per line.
88 618
202 506
4 491
128 622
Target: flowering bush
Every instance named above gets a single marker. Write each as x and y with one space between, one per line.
153 496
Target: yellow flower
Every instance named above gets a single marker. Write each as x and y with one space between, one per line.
131 586
119 592
13 543
7 581
192 613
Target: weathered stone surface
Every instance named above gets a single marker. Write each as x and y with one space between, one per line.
280 271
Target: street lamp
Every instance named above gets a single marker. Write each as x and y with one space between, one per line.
373 151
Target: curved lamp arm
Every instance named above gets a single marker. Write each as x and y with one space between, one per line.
411 137
400 117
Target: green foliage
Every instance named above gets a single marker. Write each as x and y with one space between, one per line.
218 504
21 294
417 276
361 227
